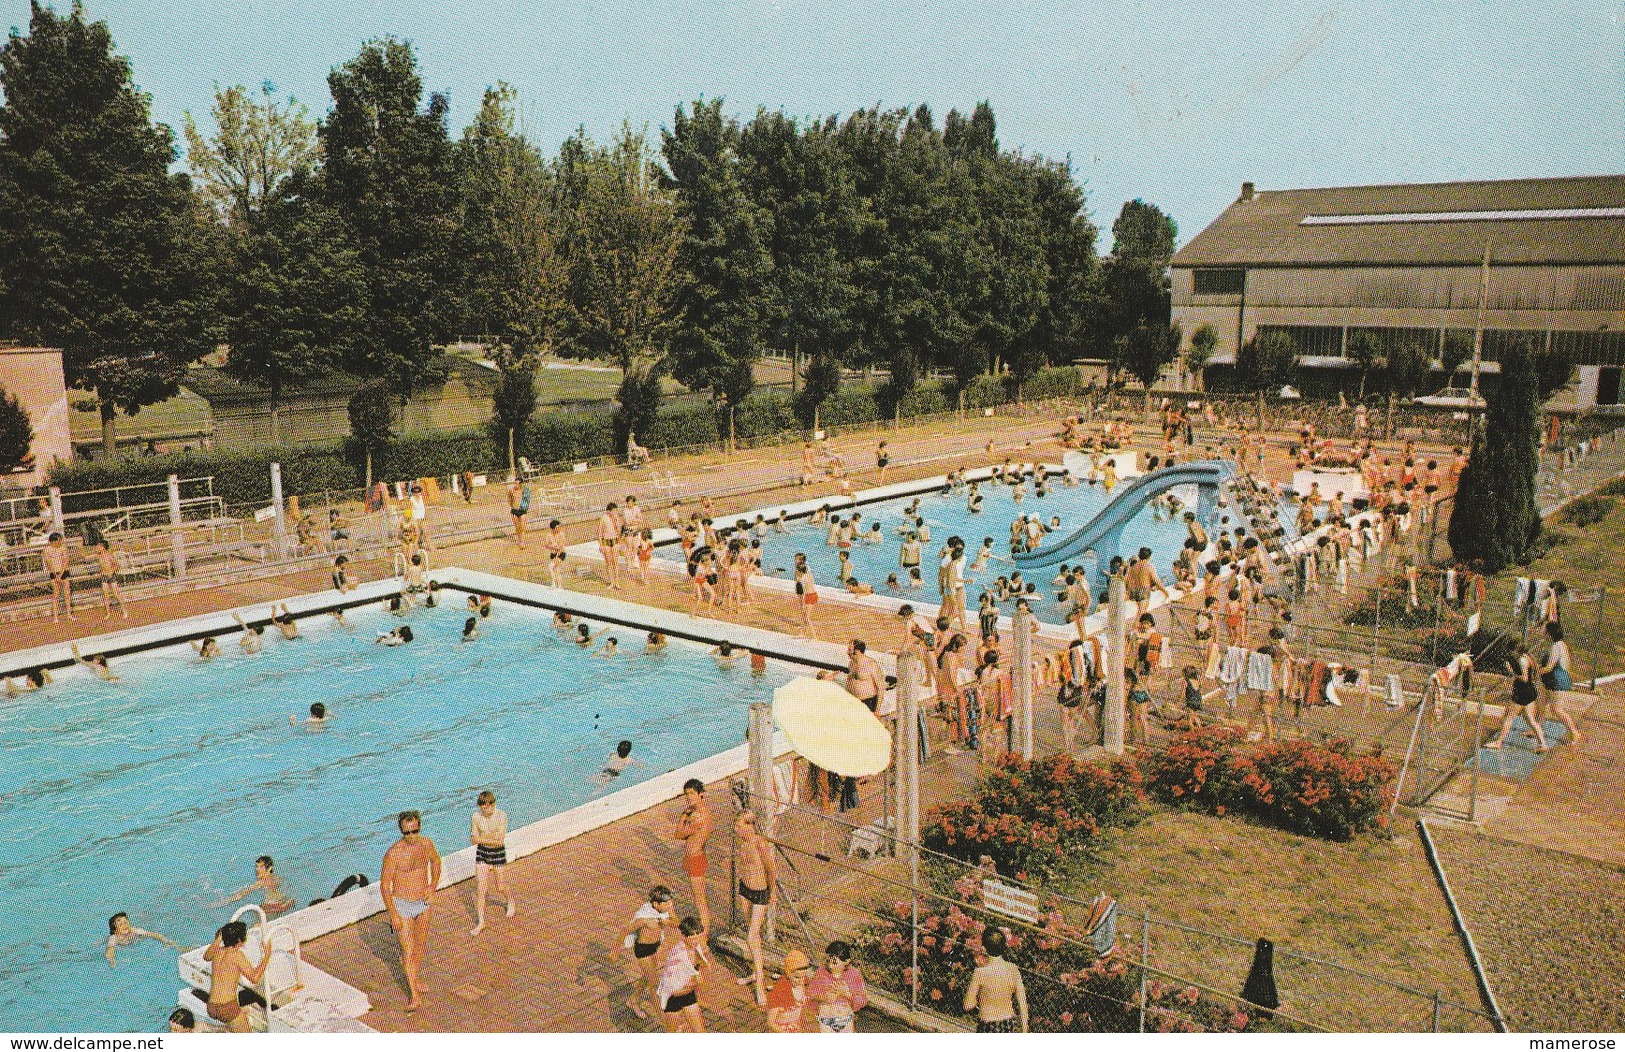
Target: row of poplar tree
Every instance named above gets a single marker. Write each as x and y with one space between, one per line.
365 240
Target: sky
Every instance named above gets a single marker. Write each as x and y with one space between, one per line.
1173 103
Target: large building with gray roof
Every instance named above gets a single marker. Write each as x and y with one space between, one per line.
1408 262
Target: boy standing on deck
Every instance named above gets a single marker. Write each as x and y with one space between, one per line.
694 829
56 559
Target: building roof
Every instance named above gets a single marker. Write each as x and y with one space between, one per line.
1370 225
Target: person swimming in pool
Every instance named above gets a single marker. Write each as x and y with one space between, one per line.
265 879
611 648
395 638
725 654
207 649
617 763
121 933
471 629
585 636
318 716
96 663
253 638
563 621
285 623
654 643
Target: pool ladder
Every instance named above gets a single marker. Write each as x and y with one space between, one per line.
271 985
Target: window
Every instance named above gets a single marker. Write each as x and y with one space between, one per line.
1214 281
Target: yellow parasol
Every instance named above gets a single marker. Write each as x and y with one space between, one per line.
831 728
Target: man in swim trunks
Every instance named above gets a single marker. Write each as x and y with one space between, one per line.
265 879
864 679
410 876
229 965
758 888
56 563
516 507
609 533
694 829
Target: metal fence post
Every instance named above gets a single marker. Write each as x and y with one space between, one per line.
1145 962
760 780
1436 1011
55 503
1112 717
1596 635
177 541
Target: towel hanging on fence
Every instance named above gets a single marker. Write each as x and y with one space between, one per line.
1260 671
1396 691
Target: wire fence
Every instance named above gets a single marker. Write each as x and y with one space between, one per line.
915 917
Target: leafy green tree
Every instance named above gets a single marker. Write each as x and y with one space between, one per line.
296 299
1143 234
391 172
1071 268
1365 351
1267 362
16 433
723 262
514 400
1457 351
256 145
637 403
1145 351
1407 365
622 255
817 225
103 252
1203 343
1495 519
372 419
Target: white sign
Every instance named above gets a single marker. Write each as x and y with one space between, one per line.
265 513
1010 901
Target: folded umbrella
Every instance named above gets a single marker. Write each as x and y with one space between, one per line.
831 728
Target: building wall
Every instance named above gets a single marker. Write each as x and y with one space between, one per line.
34 375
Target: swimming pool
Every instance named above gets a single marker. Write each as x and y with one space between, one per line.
154 794
948 515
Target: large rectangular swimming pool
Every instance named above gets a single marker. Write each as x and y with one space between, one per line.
153 795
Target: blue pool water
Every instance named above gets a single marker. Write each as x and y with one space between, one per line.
948 515
154 794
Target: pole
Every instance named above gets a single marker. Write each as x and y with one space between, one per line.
761 780
1116 635
1145 962
1021 679
1596 636
732 448
279 526
908 716
1478 323
1436 1007
177 542
511 470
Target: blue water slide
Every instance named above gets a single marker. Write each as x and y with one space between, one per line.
1105 529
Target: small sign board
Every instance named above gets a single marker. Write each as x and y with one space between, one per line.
1010 901
579 469
265 514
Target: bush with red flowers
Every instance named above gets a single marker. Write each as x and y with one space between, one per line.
1029 814
1317 790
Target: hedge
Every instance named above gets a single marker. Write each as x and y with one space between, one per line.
242 476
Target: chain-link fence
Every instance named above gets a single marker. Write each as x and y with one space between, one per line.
915 918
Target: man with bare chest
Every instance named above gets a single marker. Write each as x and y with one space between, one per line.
694 829
758 888
410 877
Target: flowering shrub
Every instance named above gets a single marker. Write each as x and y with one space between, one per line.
1027 815
1069 988
1317 790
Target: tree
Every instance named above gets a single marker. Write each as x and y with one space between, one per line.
514 400
1495 519
723 260
1143 234
16 433
372 419
1365 351
637 403
1267 362
1407 365
514 269
1072 271
622 255
256 145
296 299
1457 351
1146 350
391 172
1203 343
103 252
